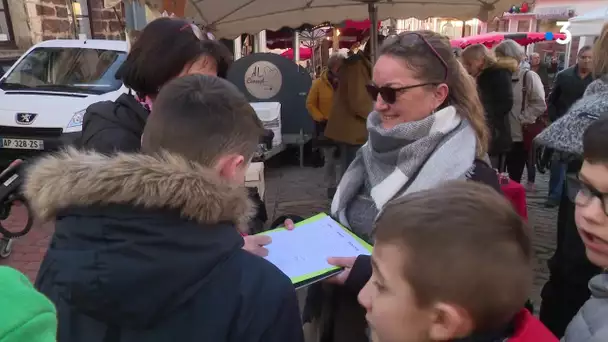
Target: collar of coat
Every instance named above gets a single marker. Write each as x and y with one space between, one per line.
72 178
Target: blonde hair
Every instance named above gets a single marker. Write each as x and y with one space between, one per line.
477 51
421 59
600 53
510 48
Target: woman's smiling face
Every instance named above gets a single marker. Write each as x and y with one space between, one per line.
412 104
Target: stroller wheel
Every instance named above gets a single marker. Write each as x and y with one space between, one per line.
6 247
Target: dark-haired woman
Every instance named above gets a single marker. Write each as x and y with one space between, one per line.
167 48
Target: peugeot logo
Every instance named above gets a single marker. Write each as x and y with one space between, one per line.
25 118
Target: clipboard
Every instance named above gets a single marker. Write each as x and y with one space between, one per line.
301 254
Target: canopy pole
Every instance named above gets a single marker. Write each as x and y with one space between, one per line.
373 39
296 46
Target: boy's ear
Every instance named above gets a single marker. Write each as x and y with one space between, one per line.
230 167
450 322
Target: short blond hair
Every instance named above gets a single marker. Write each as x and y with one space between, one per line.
510 48
477 51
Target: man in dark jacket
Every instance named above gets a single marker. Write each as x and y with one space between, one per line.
543 70
146 246
568 87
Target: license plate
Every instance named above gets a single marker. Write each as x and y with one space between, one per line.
22 144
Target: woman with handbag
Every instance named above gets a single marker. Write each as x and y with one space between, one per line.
528 105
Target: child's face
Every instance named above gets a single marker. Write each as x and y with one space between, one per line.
590 212
392 311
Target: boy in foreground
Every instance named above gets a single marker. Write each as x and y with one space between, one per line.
589 193
146 247
449 264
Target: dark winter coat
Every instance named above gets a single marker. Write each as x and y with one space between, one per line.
568 87
145 249
496 95
114 126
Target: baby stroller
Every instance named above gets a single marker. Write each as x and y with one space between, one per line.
10 193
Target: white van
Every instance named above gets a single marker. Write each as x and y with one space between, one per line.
43 96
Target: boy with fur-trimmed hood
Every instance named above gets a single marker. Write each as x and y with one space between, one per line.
146 246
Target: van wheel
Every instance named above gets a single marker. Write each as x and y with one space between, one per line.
6 248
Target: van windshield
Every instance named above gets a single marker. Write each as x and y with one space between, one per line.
74 70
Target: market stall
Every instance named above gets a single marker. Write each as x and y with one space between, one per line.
230 19
276 88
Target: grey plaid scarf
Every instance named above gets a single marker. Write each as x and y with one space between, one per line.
410 157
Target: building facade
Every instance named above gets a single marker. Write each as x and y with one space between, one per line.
550 16
27 22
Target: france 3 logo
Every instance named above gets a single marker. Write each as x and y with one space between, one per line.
565 30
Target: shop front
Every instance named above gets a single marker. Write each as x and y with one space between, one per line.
552 15
552 18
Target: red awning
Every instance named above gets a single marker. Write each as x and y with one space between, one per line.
493 38
305 53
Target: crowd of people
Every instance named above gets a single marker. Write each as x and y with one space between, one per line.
151 213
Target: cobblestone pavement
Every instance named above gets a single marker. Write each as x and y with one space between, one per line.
300 191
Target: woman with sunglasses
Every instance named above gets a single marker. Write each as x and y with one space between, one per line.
427 127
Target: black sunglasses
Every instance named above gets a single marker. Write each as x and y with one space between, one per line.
389 94
582 194
406 40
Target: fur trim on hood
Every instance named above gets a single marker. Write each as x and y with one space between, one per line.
508 63
72 178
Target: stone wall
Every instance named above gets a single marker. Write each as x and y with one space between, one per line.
106 25
54 20
37 20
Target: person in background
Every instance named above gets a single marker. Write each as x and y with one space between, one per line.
568 87
146 245
524 64
543 70
25 314
528 105
570 270
496 94
589 192
461 231
319 104
351 106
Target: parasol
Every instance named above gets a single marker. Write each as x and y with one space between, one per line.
229 19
